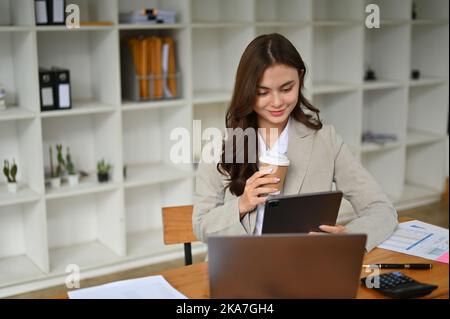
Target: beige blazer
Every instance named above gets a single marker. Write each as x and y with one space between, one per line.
318 158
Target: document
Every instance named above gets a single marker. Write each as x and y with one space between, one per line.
153 287
419 239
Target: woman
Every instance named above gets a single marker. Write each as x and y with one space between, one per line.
229 197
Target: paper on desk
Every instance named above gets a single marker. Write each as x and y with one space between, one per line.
154 287
419 239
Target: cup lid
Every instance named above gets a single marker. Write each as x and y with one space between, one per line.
274 158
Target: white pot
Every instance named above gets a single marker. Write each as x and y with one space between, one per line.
73 180
12 188
55 182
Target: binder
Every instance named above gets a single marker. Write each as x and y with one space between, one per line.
62 90
41 10
46 84
170 76
156 66
57 11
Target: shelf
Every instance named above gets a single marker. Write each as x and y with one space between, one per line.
381 84
153 173
151 243
418 138
430 22
17 269
87 256
283 24
80 108
332 87
86 186
393 22
426 81
337 23
23 195
16 113
63 28
414 194
203 25
373 147
208 97
151 105
14 28
157 26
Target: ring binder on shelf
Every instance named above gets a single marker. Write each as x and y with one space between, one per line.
46 89
62 90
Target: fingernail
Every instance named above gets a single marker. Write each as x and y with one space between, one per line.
270 170
277 179
275 190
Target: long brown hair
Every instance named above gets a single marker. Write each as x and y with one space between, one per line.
263 52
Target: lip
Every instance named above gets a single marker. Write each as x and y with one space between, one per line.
277 113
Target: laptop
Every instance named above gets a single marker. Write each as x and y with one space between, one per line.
285 266
301 213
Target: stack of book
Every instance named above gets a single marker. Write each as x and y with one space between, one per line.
148 15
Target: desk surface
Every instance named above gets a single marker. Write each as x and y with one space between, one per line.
193 280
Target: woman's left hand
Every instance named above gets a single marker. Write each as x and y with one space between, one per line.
339 229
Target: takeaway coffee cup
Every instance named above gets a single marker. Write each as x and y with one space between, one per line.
279 164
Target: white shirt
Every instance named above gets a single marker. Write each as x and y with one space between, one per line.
281 146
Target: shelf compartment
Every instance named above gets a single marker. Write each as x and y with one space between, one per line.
24 195
16 113
23 253
88 56
428 109
378 103
17 50
180 7
419 137
414 195
429 50
217 11
215 57
429 155
139 175
373 147
16 13
87 231
332 109
338 10
91 138
335 49
431 9
389 41
291 11
387 167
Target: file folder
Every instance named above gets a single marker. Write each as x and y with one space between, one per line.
41 10
170 75
57 10
62 90
156 66
46 84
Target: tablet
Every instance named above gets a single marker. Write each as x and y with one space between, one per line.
301 213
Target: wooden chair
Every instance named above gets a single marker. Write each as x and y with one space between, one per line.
177 225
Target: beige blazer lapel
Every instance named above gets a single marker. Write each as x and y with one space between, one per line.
299 154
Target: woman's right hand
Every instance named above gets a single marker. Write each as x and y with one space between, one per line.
254 187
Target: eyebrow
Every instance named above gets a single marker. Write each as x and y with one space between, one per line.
283 85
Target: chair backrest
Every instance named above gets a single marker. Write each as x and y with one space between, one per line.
177 225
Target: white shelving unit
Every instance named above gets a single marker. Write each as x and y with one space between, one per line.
105 227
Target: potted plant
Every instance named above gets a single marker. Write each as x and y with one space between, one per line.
103 171
70 168
55 175
10 172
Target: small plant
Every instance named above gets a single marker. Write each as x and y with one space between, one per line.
103 169
70 167
61 162
10 172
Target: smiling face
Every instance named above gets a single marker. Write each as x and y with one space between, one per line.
276 96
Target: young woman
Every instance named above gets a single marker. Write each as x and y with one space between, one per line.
230 196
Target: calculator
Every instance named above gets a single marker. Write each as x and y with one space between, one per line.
398 285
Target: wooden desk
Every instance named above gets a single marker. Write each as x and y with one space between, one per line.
193 280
